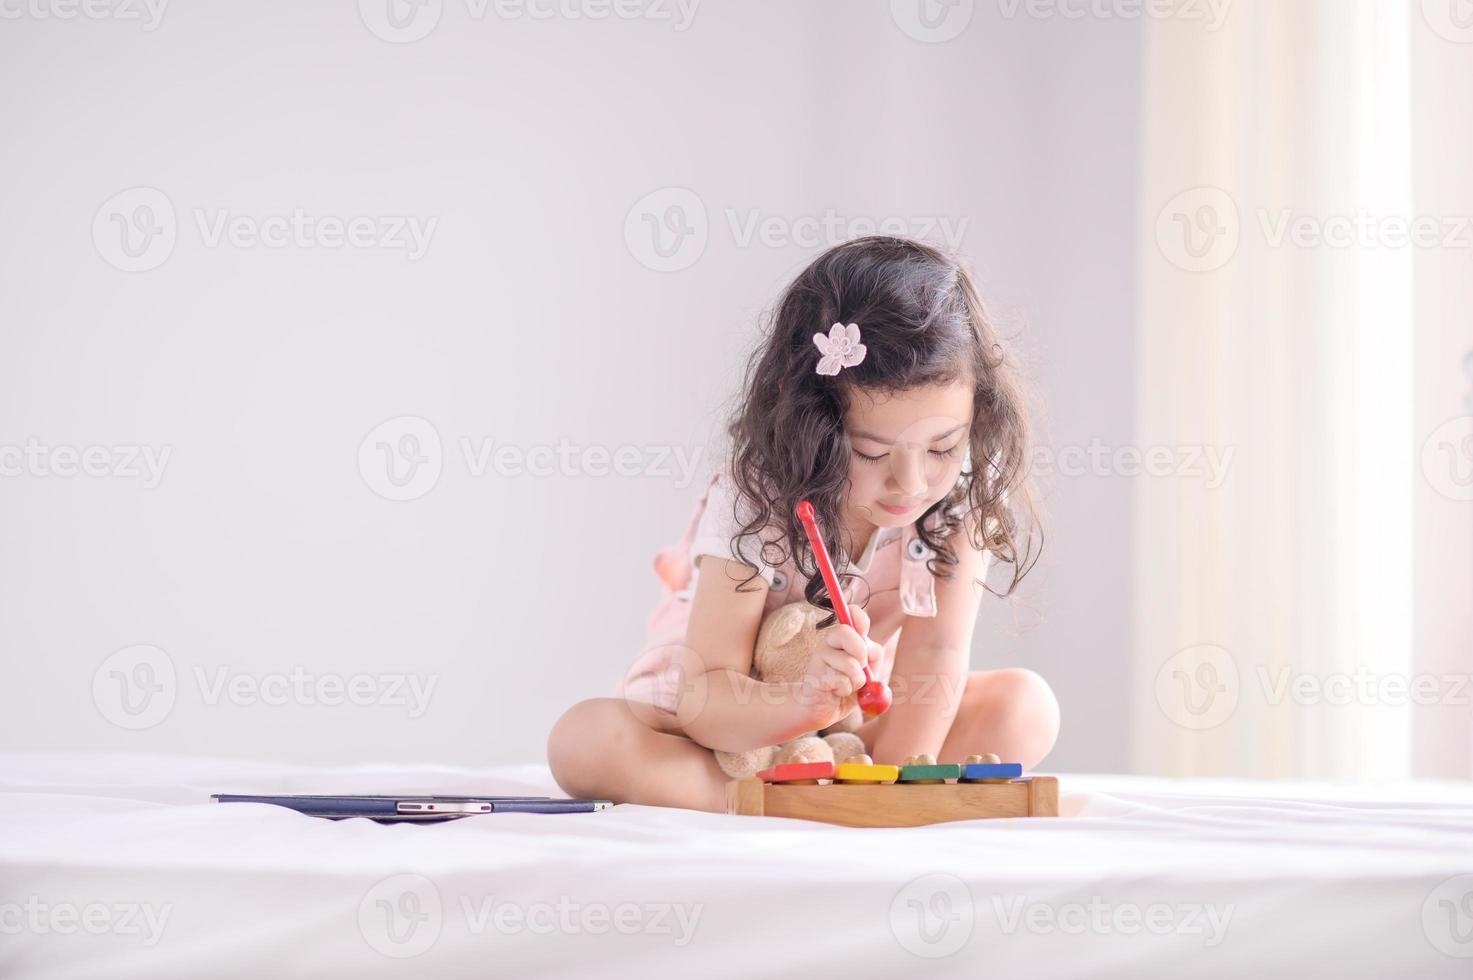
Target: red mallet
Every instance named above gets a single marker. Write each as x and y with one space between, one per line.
874 696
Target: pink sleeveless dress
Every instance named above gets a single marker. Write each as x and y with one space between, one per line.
893 583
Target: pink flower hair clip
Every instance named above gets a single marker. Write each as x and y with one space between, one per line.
840 349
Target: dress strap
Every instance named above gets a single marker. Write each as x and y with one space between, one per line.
917 584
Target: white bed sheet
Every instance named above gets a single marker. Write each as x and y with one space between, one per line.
118 866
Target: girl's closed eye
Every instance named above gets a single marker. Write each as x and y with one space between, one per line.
948 453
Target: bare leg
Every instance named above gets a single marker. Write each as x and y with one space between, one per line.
1011 713
607 749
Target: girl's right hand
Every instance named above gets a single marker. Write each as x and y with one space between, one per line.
836 670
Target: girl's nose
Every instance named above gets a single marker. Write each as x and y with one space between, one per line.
908 468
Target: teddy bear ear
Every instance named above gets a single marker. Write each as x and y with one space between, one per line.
785 624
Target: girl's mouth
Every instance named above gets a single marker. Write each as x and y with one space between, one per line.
893 510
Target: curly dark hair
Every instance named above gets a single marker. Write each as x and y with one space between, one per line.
923 323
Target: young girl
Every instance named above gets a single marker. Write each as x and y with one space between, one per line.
883 396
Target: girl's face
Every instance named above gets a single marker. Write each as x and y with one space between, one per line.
907 450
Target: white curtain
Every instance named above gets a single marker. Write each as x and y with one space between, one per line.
1309 616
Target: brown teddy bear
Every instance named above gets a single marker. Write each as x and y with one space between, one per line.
786 642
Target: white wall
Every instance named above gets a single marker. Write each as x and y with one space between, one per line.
530 319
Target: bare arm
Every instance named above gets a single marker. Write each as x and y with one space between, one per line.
721 706
931 662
